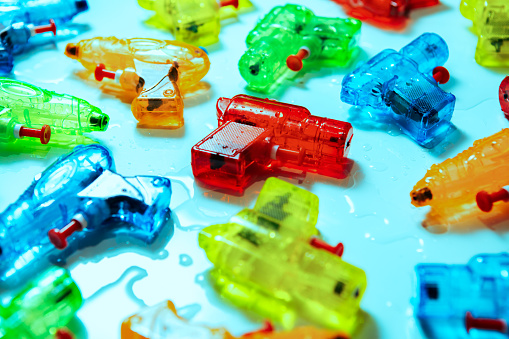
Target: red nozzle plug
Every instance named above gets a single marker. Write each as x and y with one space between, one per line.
101 73
44 134
338 250
46 28
441 75
234 3
63 334
59 237
498 325
294 62
485 200
503 95
267 328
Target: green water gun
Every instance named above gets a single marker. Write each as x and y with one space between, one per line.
45 117
42 308
290 37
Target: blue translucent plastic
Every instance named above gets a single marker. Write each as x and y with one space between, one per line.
445 293
82 182
400 84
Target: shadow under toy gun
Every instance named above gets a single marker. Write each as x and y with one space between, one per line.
268 260
43 306
256 137
163 321
399 84
491 24
450 188
30 111
197 22
78 202
464 301
392 14
289 34
156 71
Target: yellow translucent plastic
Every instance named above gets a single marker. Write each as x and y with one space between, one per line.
264 263
454 183
160 103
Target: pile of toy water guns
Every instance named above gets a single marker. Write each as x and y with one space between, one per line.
269 260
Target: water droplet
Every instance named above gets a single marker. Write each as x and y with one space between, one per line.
378 166
185 260
367 147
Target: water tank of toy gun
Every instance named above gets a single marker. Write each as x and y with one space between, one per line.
428 51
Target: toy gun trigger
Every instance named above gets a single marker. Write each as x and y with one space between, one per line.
44 28
282 154
320 244
44 134
498 325
63 334
267 328
224 3
294 62
441 75
504 96
486 200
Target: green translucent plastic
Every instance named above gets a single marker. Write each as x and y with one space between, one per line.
283 32
69 117
46 304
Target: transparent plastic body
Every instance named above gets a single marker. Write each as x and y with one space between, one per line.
384 13
256 137
160 102
450 187
197 22
163 322
491 24
503 95
69 117
264 263
400 85
39 12
283 32
445 293
46 303
82 183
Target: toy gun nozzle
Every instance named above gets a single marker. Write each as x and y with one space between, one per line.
504 96
224 3
46 28
99 120
294 62
485 200
441 75
72 50
337 250
59 237
422 195
63 334
498 325
267 328
43 134
101 72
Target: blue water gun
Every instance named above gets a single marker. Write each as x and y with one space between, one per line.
404 86
77 202
464 301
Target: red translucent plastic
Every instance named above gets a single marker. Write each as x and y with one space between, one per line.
267 328
384 13
497 325
256 137
503 94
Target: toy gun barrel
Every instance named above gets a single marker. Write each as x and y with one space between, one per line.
428 51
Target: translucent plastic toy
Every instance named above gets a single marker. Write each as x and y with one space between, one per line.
30 111
39 12
269 261
384 13
45 304
491 24
14 39
158 72
400 85
289 34
464 301
450 188
163 322
503 94
197 22
77 202
258 137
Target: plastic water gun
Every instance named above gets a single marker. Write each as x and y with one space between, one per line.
197 22
464 301
385 13
269 260
450 188
163 321
503 94
400 85
77 202
42 307
491 24
157 72
290 37
258 137
47 117
39 12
